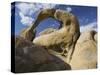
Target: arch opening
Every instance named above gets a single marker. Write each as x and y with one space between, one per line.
47 23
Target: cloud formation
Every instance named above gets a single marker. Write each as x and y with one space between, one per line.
26 10
90 26
68 9
25 20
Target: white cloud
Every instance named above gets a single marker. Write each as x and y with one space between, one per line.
90 26
68 9
46 6
25 20
29 9
24 7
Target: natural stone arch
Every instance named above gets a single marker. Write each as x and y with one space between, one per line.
66 36
30 32
45 14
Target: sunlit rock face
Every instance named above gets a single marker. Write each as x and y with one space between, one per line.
85 53
47 31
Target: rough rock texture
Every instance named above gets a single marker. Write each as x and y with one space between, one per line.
32 58
28 33
65 37
85 53
47 31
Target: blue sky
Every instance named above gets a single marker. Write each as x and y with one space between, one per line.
26 13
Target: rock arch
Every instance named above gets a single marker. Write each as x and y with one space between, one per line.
66 36
30 32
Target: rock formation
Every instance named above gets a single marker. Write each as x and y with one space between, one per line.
65 37
43 14
47 31
28 33
33 58
85 53
55 49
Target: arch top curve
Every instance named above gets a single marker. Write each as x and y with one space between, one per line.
45 14
60 15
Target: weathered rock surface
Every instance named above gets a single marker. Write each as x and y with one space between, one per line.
43 14
65 37
47 31
33 58
28 33
85 53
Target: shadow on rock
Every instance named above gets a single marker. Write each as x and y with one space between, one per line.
33 58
